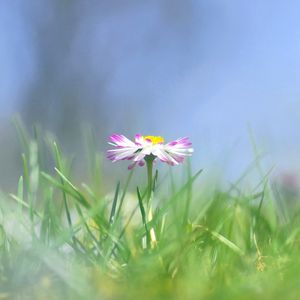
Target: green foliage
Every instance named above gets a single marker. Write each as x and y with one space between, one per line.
64 240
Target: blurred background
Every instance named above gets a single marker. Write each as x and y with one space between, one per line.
211 70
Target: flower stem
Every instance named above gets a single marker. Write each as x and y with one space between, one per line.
149 161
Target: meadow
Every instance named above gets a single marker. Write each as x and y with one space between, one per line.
64 239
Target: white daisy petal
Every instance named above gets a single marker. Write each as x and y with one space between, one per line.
171 153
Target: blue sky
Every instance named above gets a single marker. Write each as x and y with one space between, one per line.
209 70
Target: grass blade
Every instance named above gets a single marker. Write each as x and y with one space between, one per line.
114 205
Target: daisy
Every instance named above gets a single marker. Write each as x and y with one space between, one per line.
148 148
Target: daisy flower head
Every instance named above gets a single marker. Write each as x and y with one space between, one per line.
148 147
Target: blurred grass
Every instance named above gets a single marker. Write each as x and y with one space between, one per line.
63 240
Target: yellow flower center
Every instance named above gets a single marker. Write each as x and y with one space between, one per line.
154 139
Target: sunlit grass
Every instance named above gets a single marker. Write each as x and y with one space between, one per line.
63 240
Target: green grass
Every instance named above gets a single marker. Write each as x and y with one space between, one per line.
60 239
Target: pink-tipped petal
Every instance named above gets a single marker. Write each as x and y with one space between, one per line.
122 153
121 140
138 139
139 156
131 166
141 163
172 153
165 157
180 143
179 149
125 149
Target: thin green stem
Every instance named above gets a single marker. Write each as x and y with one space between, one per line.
149 162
